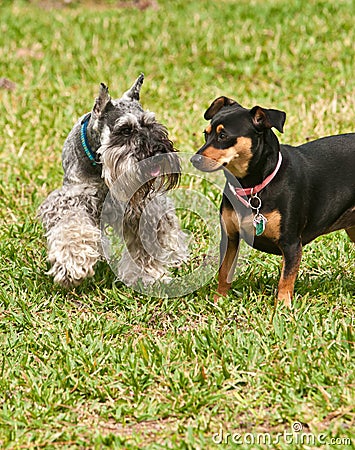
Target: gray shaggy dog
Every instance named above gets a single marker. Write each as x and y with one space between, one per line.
106 151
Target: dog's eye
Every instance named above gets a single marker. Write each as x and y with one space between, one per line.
126 131
222 136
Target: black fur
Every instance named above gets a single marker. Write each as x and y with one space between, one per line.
312 194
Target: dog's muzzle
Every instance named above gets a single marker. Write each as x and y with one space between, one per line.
204 164
196 160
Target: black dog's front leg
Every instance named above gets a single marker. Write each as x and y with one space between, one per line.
228 259
291 259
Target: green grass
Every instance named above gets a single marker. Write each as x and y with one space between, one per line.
103 367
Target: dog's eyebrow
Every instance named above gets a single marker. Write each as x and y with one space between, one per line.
208 129
219 128
148 118
126 120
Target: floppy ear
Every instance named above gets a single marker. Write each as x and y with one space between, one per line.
218 104
101 101
268 118
133 92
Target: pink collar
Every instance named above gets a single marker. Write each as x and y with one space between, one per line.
244 192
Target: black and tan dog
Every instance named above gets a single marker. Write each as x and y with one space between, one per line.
293 194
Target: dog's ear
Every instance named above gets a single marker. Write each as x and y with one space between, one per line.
101 101
133 92
268 118
218 104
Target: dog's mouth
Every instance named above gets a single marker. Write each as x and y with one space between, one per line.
152 170
155 170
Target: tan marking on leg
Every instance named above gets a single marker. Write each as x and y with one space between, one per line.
224 274
287 281
230 224
285 290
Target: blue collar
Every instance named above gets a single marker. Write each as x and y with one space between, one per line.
84 142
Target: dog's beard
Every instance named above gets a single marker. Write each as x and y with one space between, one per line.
133 180
164 169
116 165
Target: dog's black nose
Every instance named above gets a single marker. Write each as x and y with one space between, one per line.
196 159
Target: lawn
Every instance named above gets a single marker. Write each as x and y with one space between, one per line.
102 366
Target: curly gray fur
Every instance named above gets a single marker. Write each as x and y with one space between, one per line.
120 134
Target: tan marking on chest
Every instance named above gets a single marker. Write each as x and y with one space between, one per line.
273 226
230 222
